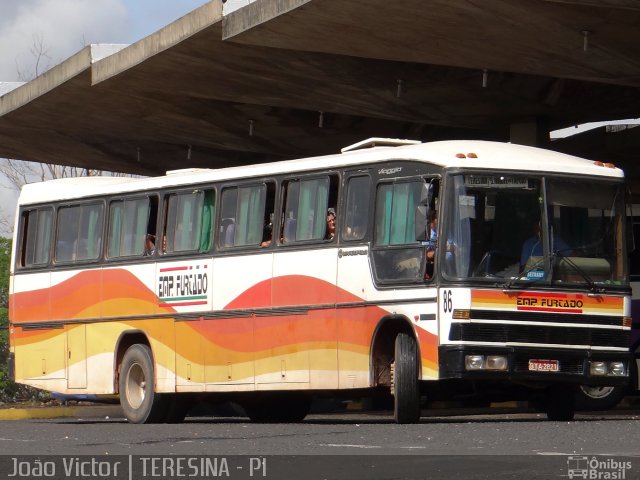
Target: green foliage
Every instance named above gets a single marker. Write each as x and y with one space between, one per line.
9 391
7 387
5 261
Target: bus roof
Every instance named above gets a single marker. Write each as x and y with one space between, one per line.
446 154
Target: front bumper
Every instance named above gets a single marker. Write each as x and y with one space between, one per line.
573 365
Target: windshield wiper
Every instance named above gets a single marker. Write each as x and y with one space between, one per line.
589 281
507 285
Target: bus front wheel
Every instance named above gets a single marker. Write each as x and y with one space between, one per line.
140 403
405 388
598 398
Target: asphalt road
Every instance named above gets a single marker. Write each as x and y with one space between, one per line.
354 445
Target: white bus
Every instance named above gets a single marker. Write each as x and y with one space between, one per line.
454 266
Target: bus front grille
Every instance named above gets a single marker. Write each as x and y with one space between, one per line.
539 334
544 317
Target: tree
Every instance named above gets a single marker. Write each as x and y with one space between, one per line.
6 387
40 53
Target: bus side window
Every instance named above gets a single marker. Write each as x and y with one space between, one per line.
245 211
188 220
36 237
306 206
67 234
229 208
90 232
356 220
395 227
128 223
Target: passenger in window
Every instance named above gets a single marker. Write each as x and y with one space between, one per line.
433 236
432 243
331 224
149 245
267 235
352 233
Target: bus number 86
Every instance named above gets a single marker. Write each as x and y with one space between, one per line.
447 301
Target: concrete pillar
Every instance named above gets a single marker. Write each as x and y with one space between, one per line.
533 132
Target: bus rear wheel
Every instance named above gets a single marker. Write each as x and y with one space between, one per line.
140 403
405 388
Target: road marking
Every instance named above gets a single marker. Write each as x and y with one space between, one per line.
348 445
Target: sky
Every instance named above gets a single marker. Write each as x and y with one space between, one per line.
60 28
37 34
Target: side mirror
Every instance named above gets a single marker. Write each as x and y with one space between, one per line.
423 212
421 222
426 194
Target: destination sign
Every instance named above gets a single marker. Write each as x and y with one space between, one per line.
495 181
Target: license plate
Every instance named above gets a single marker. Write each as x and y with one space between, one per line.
544 365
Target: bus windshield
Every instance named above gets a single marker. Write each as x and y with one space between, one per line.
561 231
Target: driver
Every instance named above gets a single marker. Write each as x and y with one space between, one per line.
532 247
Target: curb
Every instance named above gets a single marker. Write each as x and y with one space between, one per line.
81 411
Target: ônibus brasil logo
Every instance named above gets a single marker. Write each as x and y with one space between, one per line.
597 468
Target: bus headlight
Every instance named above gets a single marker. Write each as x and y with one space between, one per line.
474 362
598 368
617 369
490 362
497 362
611 369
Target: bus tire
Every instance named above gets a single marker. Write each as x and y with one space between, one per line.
598 398
559 404
406 391
140 403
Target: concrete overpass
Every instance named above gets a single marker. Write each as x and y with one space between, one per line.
288 78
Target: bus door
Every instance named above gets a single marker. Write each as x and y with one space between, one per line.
77 356
354 281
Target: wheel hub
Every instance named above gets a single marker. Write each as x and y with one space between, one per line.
136 385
